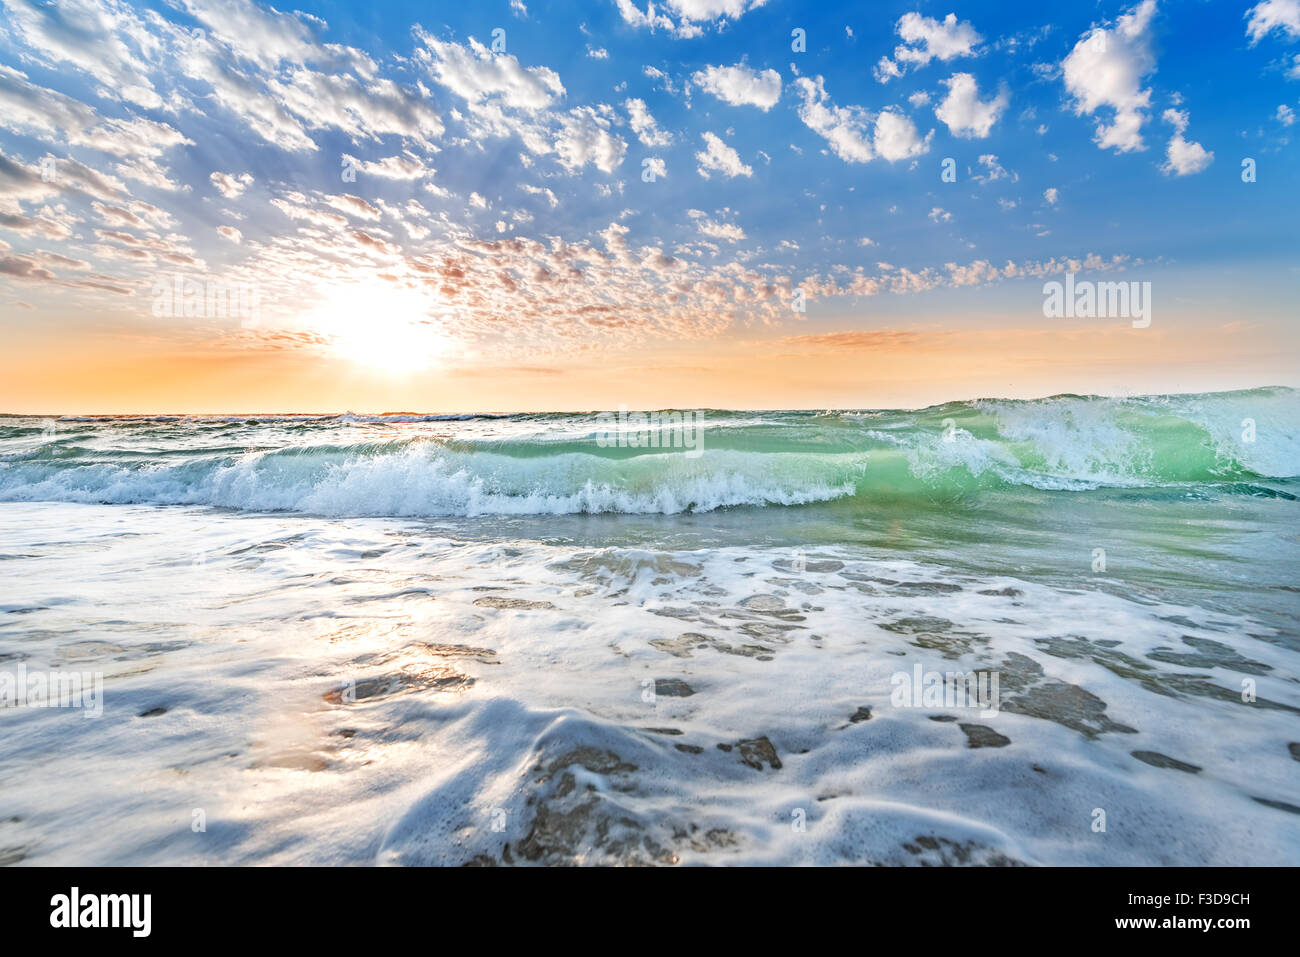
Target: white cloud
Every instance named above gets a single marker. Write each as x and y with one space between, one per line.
231 233
1183 157
353 206
896 137
542 191
1052 195
404 166
265 36
1285 115
963 111
849 129
1280 15
245 97
230 185
993 170
741 86
62 121
926 39
255 60
103 38
846 128
728 232
690 14
585 137
483 78
1105 69
722 158
644 125
362 109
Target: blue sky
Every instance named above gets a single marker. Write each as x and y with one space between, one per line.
500 203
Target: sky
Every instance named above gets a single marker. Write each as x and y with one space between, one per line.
224 206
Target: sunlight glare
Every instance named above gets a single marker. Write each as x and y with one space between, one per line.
380 325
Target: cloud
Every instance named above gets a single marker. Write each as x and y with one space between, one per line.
690 14
63 121
728 232
268 38
21 184
644 125
741 86
37 225
1052 195
585 137
1183 157
963 111
105 39
896 136
542 191
368 109
262 84
118 215
849 129
722 158
352 206
845 128
245 97
506 98
993 170
484 79
1280 15
295 207
855 339
404 166
926 39
1105 69
229 185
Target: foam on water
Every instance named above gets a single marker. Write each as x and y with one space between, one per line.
383 691
446 465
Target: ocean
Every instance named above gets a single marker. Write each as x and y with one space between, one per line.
1058 631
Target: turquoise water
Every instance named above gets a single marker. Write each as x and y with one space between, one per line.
502 588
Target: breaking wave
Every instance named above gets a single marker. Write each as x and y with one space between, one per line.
411 464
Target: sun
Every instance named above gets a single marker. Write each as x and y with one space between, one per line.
380 325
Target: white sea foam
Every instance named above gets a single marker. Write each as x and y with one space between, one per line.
426 479
250 629
407 464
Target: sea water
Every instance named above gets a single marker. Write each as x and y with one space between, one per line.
437 639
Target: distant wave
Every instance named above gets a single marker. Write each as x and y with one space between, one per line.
409 464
